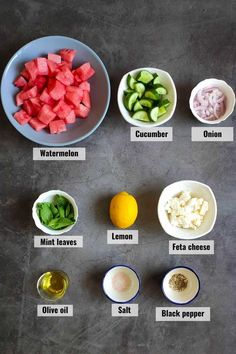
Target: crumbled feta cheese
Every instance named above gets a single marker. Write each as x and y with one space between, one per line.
186 212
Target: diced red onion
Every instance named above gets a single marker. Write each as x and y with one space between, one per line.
209 103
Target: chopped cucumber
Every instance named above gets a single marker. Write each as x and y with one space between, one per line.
161 90
126 92
146 102
131 81
156 79
144 76
141 115
162 110
137 107
140 88
130 100
152 94
165 103
154 114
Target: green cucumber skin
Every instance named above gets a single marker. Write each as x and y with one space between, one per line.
141 114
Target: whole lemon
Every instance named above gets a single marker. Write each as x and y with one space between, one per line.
123 210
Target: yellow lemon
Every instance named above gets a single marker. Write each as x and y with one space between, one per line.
123 210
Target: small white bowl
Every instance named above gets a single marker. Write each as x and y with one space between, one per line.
122 296
197 189
185 296
48 197
166 80
229 101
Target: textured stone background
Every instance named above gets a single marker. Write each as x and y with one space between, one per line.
192 40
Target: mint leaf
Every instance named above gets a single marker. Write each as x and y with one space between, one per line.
60 223
45 213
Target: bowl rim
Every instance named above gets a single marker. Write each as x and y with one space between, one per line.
159 212
181 303
140 124
38 141
45 229
193 93
139 283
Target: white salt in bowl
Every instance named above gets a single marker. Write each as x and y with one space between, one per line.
121 284
188 294
229 99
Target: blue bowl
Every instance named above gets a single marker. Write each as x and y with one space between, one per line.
100 90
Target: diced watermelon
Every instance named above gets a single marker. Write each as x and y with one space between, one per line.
85 86
71 118
62 109
46 114
36 124
25 74
86 99
65 76
81 111
46 98
54 57
30 108
68 54
57 126
32 69
85 71
22 117
19 100
77 78
20 81
56 89
52 66
31 93
74 95
40 82
42 66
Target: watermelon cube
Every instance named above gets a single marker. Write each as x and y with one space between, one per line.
57 126
86 99
54 57
42 66
71 118
31 93
25 74
37 124
20 81
85 86
68 54
22 117
46 98
74 95
46 114
62 109
29 108
85 71
81 111
36 103
56 89
40 82
52 67
77 78
19 100
65 76
32 69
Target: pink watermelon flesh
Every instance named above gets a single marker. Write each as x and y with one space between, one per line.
36 124
22 117
85 86
54 57
32 69
42 66
71 118
68 54
86 99
81 111
62 109
56 89
46 114
65 76
20 81
57 126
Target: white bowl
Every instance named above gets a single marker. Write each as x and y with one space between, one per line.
122 296
229 102
196 189
166 80
185 296
48 197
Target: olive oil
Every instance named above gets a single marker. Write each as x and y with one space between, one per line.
53 285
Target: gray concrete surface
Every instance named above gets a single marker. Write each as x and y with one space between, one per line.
192 40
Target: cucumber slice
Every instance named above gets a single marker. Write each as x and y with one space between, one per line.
131 81
152 94
146 102
162 111
154 114
140 88
130 100
137 107
160 89
126 92
156 79
144 76
141 115
165 103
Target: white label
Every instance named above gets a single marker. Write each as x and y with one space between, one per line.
213 134
62 241
122 237
59 154
151 134
183 314
55 310
124 310
191 247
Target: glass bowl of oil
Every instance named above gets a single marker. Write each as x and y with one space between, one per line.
52 285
